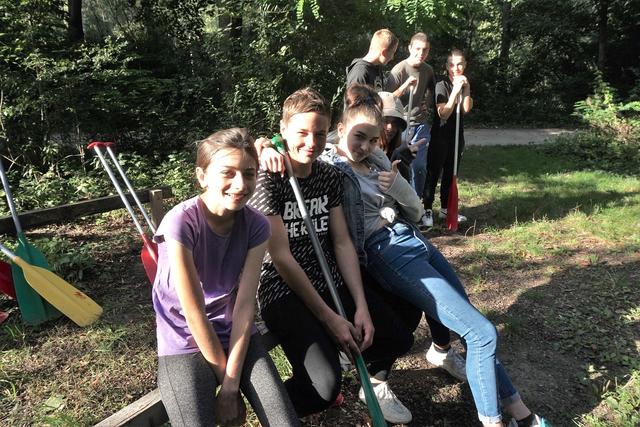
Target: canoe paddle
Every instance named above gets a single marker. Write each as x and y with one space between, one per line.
372 403
6 280
77 306
33 307
149 253
452 202
130 187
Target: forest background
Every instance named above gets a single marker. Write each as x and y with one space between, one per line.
155 76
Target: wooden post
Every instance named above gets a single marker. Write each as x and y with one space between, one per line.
157 210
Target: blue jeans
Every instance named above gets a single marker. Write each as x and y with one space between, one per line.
410 266
419 164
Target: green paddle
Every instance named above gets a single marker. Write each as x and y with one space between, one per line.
372 403
33 307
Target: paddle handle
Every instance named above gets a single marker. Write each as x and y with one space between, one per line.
12 207
322 260
455 153
7 252
408 116
114 181
131 190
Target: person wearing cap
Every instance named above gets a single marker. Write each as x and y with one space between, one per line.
392 143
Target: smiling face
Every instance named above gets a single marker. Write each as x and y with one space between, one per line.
391 127
418 52
306 136
229 180
359 137
455 66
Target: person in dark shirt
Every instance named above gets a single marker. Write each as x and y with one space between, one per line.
449 92
368 69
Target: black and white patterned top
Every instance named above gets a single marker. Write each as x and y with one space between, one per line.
322 191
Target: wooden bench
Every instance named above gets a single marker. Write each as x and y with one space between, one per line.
71 211
148 411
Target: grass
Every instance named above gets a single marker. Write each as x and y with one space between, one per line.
573 235
550 255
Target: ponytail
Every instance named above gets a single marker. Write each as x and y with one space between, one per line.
361 99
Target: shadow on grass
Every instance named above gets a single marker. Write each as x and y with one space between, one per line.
540 188
576 334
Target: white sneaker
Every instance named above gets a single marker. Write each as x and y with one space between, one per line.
538 421
427 219
443 215
451 361
392 409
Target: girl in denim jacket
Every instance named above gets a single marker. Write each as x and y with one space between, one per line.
381 209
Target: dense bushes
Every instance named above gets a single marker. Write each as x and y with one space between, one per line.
156 76
612 141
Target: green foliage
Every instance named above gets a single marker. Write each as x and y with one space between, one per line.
606 116
412 10
178 172
598 151
621 406
155 76
301 6
68 259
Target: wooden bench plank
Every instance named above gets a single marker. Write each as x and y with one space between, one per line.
68 213
148 411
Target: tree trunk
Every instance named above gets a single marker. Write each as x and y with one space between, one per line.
603 33
505 37
76 32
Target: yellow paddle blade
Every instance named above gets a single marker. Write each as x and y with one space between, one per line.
72 302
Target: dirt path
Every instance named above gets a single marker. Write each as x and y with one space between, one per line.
510 136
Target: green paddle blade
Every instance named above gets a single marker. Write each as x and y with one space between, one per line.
377 419
33 307
69 300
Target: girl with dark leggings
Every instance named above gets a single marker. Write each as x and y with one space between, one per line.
210 250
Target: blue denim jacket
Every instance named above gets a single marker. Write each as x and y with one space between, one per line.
410 205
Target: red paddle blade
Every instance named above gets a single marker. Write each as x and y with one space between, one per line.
6 280
149 256
452 206
3 316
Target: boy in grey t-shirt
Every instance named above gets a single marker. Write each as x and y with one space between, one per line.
415 74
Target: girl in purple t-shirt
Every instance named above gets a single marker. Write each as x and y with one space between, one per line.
210 252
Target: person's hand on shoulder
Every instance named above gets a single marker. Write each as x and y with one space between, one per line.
270 159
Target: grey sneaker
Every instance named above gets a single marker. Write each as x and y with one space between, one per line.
451 361
427 219
443 215
538 421
392 409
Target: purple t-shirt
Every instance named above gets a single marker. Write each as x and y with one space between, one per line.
219 261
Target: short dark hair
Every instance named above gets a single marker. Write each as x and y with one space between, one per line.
306 100
456 52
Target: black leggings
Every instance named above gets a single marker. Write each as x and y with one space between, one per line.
314 356
188 384
440 161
